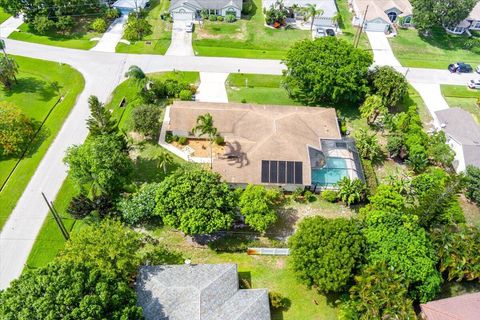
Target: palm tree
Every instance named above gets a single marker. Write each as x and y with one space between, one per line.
135 72
368 145
311 11
351 191
8 71
205 127
164 161
373 107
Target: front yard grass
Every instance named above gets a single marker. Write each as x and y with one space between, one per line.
35 94
436 51
3 16
462 97
257 88
78 39
245 38
345 24
159 41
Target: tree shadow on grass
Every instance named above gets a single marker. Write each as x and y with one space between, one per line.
147 170
46 91
439 38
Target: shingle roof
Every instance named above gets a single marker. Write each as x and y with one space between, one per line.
206 4
377 8
464 307
198 292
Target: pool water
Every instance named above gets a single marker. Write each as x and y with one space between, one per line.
334 171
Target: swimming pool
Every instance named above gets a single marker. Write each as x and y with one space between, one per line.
334 171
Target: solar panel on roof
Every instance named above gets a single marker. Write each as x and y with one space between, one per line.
298 173
273 171
265 171
282 171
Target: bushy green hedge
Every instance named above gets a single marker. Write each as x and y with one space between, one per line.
370 176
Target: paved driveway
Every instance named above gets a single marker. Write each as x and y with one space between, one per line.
432 97
382 52
10 25
212 87
181 44
108 42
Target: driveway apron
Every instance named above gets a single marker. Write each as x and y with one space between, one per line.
112 37
181 44
212 87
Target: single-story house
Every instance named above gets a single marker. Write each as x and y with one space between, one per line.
463 136
188 10
198 292
329 7
464 307
282 146
127 6
472 22
379 15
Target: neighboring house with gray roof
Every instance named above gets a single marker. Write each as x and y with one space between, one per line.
463 136
472 22
189 10
198 292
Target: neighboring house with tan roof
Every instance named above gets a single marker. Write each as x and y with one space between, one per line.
379 15
198 292
189 10
284 146
463 136
464 307
472 22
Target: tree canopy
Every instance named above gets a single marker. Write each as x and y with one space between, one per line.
195 201
140 206
99 163
326 252
16 130
327 70
389 84
68 291
257 205
100 120
8 71
432 13
472 183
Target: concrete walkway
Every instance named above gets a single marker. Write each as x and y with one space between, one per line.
212 87
432 97
181 44
10 25
108 42
382 52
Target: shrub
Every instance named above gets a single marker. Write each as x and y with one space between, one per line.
220 18
16 130
244 100
277 301
219 140
99 25
309 196
329 195
65 24
42 24
297 195
472 184
185 95
478 102
230 18
139 207
212 17
80 207
370 176
257 204
182 140
351 191
169 137
146 120
112 13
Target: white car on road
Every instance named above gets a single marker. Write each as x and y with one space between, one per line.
474 84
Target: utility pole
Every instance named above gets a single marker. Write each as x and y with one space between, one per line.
57 218
359 34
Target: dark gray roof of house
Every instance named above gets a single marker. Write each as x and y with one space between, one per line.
198 292
460 126
206 4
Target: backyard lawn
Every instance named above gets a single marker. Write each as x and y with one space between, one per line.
78 39
36 95
463 97
436 51
3 15
159 41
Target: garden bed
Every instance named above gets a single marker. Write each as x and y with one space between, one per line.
199 148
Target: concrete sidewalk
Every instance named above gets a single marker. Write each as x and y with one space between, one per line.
112 36
10 25
212 87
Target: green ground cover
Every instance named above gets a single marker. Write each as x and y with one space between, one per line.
435 51
159 41
3 15
36 94
256 88
78 39
462 97
245 38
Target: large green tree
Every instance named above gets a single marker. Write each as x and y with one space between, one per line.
101 164
108 246
327 70
326 252
257 205
16 130
196 201
472 184
8 71
372 108
431 13
68 291
389 84
367 145
100 120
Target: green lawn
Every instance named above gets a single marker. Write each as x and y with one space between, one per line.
345 24
35 95
159 41
78 39
463 97
245 38
3 15
436 51
257 88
